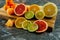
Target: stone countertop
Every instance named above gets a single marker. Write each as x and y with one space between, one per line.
19 34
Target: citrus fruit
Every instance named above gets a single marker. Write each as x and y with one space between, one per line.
34 7
10 11
20 9
6 7
50 9
39 15
9 23
33 27
18 22
29 14
26 24
42 26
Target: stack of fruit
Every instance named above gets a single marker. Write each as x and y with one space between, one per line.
30 11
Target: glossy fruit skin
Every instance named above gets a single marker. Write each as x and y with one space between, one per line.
21 9
9 4
38 22
10 11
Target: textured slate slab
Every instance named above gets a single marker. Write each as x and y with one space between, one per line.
18 34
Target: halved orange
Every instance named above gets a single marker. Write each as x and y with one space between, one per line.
34 7
19 21
50 9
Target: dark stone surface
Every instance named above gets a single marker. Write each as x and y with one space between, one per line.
19 34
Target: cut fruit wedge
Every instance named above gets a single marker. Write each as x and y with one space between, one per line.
29 15
42 26
34 7
50 9
26 24
33 27
20 9
18 22
39 15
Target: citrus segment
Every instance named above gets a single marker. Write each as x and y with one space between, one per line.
20 9
39 15
29 14
50 9
18 22
42 26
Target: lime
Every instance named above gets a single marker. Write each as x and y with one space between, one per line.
33 27
29 15
26 24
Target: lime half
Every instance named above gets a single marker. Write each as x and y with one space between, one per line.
26 24
33 27
29 14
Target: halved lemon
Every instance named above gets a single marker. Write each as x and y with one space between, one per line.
34 7
39 15
50 9
18 22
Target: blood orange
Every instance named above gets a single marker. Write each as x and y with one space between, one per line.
42 26
20 9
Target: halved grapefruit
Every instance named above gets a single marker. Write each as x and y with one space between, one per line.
20 9
42 26
18 22
50 9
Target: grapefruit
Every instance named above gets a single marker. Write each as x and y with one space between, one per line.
29 14
34 7
42 26
26 24
33 27
39 15
50 9
20 9
18 22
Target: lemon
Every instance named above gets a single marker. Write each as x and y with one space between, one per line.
39 15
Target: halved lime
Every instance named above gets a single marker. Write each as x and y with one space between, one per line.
33 27
26 24
39 15
29 14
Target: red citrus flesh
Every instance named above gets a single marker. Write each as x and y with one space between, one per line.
20 9
42 26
